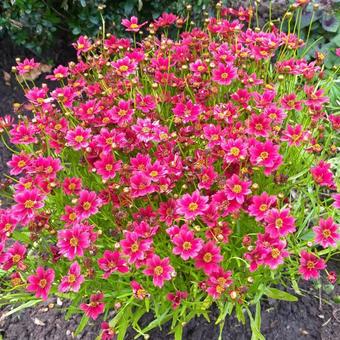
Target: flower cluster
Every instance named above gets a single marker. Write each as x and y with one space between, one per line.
177 172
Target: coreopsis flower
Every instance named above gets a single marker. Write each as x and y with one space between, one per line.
191 206
224 74
235 150
8 222
261 205
82 45
59 73
167 212
72 185
146 103
322 174
74 241
111 262
265 154
237 189
125 66
107 166
14 256
23 134
122 114
27 66
41 282
132 24
19 163
108 140
186 245
28 202
327 233
166 19
279 223
88 203
294 135
134 246
78 138
290 102
218 282
176 298
187 112
159 269
70 216
310 265
259 125
73 280
208 258
336 203
141 185
138 291
95 307
332 277
275 254
108 332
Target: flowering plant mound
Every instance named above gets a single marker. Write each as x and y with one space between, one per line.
168 175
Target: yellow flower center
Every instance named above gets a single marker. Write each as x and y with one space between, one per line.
207 257
237 188
235 151
86 205
29 204
186 245
74 241
158 270
193 206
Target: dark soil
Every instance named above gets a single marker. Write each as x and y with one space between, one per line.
310 318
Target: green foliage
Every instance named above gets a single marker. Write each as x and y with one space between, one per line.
36 24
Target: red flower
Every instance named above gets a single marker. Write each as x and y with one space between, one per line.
13 257
41 282
327 233
218 282
78 138
208 258
310 265
322 174
159 269
134 246
88 203
108 332
111 262
260 205
175 298
28 201
107 166
95 307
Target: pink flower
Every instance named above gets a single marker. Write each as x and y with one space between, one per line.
159 269
259 125
236 189
59 72
224 74
187 112
107 166
13 257
141 185
208 258
125 66
73 280
186 245
207 177
78 138
310 265
135 247
111 262
279 223
145 103
28 201
95 307
122 114
27 66
41 282
327 233
323 175
218 282
289 102
72 185
192 205
175 298
336 203
265 154
88 203
83 44
260 205
167 212
138 291
235 150
132 24
72 242
294 135
108 332
19 163
274 255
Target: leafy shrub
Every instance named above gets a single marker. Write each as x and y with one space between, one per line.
167 175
